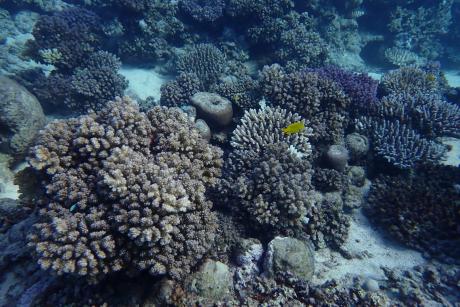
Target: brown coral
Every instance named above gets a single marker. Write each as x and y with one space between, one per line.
124 189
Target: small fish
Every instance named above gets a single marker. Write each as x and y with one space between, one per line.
294 128
431 77
73 208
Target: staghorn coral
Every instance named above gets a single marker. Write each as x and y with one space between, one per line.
421 211
124 189
319 100
204 60
400 145
427 113
404 125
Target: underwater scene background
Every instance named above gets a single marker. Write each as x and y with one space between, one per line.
229 153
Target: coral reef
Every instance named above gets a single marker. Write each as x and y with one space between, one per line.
206 61
68 36
205 11
122 190
399 145
269 173
89 86
319 100
421 211
178 92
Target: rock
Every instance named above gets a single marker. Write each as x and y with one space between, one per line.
357 176
289 254
212 281
337 156
215 109
204 129
21 116
357 145
371 285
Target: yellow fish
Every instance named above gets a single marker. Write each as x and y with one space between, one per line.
294 128
431 77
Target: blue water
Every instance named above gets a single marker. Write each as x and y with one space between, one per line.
229 152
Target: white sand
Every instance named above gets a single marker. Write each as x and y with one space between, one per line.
377 252
453 78
143 82
452 156
375 75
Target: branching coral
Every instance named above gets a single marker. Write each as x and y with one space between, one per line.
319 100
91 85
258 129
400 145
96 82
421 211
124 189
203 10
269 172
204 60
178 92
72 34
410 80
404 124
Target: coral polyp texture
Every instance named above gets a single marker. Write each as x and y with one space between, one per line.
204 60
124 190
269 172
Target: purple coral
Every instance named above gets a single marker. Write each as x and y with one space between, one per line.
361 88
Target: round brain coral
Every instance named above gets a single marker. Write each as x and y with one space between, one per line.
124 189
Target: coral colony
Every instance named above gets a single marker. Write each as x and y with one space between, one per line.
286 153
